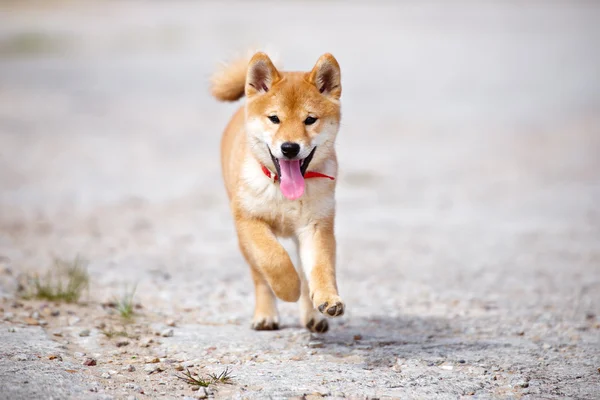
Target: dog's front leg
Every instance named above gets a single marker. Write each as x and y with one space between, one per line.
317 252
265 254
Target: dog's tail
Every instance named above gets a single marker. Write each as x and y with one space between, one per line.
229 81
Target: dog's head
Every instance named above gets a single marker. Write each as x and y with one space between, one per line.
292 118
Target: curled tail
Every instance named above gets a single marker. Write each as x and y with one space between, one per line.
228 82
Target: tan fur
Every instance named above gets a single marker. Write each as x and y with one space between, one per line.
261 212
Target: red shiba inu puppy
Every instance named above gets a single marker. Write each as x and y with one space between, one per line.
279 165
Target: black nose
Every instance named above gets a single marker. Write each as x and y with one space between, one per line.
290 150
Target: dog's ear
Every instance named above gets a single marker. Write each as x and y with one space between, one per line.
261 75
327 77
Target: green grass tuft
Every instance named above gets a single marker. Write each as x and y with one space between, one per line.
65 282
125 305
224 377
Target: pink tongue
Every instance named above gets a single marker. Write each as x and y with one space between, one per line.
292 181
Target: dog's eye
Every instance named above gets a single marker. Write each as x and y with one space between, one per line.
274 119
310 120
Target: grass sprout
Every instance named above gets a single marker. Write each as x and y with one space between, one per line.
224 377
65 282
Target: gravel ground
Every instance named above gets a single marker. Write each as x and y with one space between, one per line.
468 200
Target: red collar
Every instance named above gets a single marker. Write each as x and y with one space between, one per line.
309 174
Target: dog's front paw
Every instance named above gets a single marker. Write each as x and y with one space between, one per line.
328 305
265 323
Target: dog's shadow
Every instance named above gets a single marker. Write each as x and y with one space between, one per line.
381 340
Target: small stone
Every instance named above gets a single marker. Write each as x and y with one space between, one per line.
461 361
167 333
202 394
128 368
57 333
55 357
447 367
150 368
171 322
357 337
178 368
31 321
151 360
315 345
195 388
147 341
12 330
101 326
105 375
73 320
84 333
79 354
522 384
20 357
55 313
122 343
90 362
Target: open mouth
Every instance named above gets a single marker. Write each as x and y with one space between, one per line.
303 162
291 174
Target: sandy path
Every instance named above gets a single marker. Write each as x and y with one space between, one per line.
468 204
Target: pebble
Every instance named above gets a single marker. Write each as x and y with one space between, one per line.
128 368
20 357
55 357
84 333
150 368
31 321
167 333
89 362
105 375
122 343
447 367
73 320
179 368
57 333
315 345
12 330
79 354
147 341
55 313
171 322
151 360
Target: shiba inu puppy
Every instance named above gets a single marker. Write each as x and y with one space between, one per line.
279 165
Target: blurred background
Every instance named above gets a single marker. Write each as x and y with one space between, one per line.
469 151
468 214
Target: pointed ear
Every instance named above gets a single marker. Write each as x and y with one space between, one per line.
327 77
261 75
